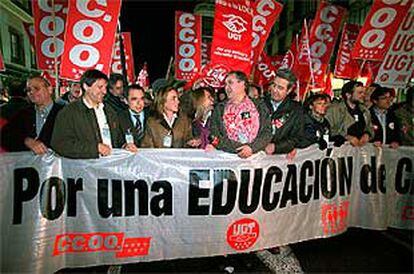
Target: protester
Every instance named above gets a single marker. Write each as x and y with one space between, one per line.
167 127
239 125
255 91
18 100
317 128
349 119
202 102
31 128
115 97
88 128
74 93
383 120
405 119
133 121
368 91
287 116
221 95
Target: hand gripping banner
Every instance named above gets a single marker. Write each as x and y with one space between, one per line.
380 26
156 204
232 35
187 45
49 26
89 37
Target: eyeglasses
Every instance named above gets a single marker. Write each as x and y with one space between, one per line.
385 97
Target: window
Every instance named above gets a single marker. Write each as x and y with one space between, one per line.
16 47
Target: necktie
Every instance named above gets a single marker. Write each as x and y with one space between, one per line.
138 125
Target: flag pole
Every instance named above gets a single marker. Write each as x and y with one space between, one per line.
56 65
309 52
167 76
121 49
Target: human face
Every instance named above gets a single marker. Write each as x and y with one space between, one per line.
136 100
118 88
319 107
171 102
279 89
384 101
235 88
95 93
254 93
358 95
75 90
38 93
208 101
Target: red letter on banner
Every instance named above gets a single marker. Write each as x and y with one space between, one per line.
232 37
116 65
187 45
45 28
397 69
379 28
265 14
89 37
345 66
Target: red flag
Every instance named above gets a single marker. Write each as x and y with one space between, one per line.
289 59
345 66
89 37
379 28
187 45
266 68
369 70
51 79
232 38
2 67
302 62
398 66
322 39
116 64
328 85
265 14
45 28
143 79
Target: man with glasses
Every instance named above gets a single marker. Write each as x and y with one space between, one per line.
31 129
384 122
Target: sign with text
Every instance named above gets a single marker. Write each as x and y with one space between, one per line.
49 25
89 37
116 64
398 66
346 67
232 35
379 28
265 14
64 213
187 45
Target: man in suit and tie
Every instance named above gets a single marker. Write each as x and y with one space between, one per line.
133 120
32 127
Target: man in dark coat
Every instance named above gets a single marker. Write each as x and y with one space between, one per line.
287 115
18 100
384 121
87 128
31 128
133 121
115 95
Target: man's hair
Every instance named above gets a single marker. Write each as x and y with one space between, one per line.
45 82
241 76
287 75
259 88
115 77
375 85
349 88
378 92
89 77
131 87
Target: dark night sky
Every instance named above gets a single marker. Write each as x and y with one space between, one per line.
151 24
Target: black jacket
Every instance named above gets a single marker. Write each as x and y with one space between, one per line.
287 125
126 123
315 131
392 130
115 102
23 125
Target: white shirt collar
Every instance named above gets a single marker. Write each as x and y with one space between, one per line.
100 105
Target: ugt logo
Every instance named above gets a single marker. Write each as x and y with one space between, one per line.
236 26
242 234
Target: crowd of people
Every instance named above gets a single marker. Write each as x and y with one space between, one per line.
99 114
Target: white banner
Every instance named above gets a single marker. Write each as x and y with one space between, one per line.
170 203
